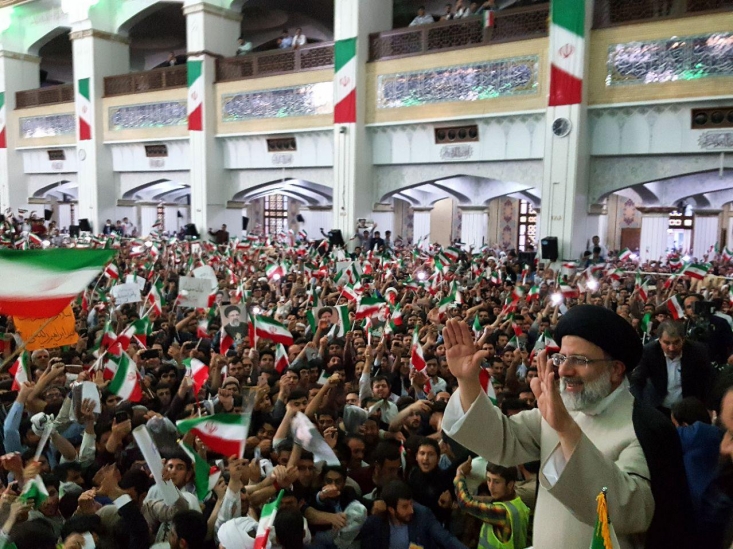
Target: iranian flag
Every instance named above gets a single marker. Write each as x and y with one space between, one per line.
417 360
281 359
675 307
485 379
476 326
625 254
3 122
225 342
350 293
111 271
368 306
534 293
267 520
84 109
446 302
20 372
155 298
41 283
221 433
275 270
205 476
344 111
126 381
267 328
34 490
697 271
195 95
198 371
567 47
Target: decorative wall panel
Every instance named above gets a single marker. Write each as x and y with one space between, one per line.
303 100
669 60
474 82
47 126
148 115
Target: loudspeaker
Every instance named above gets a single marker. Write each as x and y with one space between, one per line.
336 238
549 248
245 222
190 230
84 226
47 214
299 218
74 231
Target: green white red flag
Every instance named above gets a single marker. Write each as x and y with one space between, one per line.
41 283
567 50
281 359
126 381
155 298
675 307
20 371
696 270
195 95
267 520
34 490
198 371
222 433
205 476
344 111
267 328
84 109
369 306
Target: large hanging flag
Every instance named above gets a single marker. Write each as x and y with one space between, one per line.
41 283
567 47
222 433
344 111
267 520
198 371
20 371
84 109
267 328
126 381
195 95
604 535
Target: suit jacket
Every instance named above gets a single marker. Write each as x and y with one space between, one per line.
424 530
629 448
649 378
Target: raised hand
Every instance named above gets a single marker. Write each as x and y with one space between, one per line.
464 360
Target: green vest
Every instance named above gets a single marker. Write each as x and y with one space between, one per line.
518 514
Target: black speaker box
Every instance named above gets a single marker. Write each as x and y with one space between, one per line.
84 226
549 248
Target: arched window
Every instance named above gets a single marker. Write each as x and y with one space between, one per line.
276 214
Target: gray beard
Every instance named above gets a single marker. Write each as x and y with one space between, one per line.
593 392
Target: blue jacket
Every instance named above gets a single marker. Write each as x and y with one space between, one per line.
424 530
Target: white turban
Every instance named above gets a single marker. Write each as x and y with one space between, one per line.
233 534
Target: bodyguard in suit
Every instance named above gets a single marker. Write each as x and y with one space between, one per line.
671 368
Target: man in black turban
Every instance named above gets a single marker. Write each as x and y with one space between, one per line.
587 432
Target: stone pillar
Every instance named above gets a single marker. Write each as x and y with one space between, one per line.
421 224
18 72
474 225
317 218
210 30
567 157
353 184
654 233
706 232
96 54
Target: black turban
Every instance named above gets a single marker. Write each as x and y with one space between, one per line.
603 328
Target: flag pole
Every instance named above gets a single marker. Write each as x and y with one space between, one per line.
22 347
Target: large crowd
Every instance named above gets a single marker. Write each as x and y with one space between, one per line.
380 395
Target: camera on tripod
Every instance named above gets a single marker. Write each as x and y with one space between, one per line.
700 328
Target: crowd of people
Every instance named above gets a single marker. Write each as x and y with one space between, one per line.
394 396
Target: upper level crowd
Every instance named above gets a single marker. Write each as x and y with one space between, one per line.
394 396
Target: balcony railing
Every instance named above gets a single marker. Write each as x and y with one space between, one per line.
44 96
269 63
509 25
141 82
611 13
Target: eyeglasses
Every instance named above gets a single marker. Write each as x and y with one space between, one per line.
575 361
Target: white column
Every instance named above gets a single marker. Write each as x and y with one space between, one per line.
210 30
148 218
706 232
474 225
96 54
567 159
353 186
421 224
654 233
18 72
